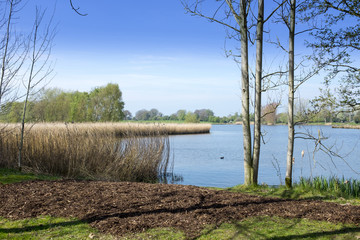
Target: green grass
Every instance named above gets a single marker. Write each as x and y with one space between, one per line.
339 187
252 228
12 176
306 189
45 228
266 227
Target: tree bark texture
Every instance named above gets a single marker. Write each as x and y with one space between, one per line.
290 148
258 79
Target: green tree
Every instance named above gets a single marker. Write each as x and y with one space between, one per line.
181 114
106 104
204 114
79 107
142 115
191 118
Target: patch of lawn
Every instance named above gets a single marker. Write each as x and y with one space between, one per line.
12 176
157 233
46 228
297 192
279 228
264 227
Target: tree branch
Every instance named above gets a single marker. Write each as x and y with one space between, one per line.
77 10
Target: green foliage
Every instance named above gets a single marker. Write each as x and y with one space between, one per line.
54 105
145 115
191 118
338 187
204 114
181 115
282 118
106 104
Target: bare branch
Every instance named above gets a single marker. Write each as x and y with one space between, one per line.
77 9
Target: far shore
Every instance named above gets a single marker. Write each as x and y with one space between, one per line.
345 126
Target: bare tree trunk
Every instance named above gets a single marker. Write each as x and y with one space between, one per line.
258 79
40 47
24 115
4 57
248 163
290 149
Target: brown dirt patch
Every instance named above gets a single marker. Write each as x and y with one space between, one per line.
122 207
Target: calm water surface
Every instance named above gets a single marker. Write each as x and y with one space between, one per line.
216 159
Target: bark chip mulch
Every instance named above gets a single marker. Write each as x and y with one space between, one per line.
123 207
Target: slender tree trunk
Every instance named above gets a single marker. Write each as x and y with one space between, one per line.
258 78
290 149
34 58
5 55
248 163
25 106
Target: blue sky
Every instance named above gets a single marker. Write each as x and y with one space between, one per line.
160 57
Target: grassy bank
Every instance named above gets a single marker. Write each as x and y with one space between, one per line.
320 188
94 151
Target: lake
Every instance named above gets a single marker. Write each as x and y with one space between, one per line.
216 159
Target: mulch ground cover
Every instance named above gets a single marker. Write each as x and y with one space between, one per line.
123 207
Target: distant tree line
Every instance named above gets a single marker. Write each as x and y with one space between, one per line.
53 105
199 115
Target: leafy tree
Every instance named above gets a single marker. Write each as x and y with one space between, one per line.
127 115
142 115
79 104
173 117
204 114
106 104
154 114
181 114
191 118
282 118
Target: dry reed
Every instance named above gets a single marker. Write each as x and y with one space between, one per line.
348 126
92 151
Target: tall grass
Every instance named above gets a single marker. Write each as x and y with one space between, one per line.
340 187
95 151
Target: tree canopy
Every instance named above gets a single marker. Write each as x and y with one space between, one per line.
102 104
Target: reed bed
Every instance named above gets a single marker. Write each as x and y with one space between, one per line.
96 151
125 128
347 126
145 129
340 187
